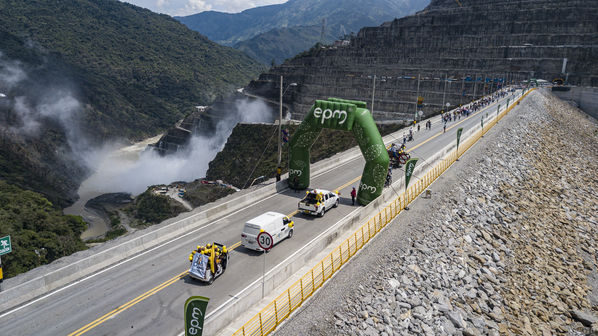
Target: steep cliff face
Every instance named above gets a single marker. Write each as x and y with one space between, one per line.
491 40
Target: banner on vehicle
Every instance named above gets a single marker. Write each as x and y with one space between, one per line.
195 312
459 131
199 265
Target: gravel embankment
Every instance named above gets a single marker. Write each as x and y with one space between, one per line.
506 246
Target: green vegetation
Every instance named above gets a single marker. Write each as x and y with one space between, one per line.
295 25
255 146
116 229
134 72
229 29
139 71
279 44
199 194
37 165
149 208
39 232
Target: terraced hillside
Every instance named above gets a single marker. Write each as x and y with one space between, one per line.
489 40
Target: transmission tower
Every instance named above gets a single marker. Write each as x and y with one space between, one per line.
323 31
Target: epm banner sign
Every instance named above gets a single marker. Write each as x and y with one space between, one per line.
195 312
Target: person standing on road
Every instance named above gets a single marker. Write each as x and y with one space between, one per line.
353 195
278 173
296 183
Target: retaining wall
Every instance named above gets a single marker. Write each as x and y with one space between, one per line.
586 98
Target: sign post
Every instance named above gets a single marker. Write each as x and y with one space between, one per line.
5 248
195 312
265 241
420 104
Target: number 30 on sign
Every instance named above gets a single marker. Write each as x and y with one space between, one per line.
264 240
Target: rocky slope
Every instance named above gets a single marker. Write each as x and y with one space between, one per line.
458 40
506 245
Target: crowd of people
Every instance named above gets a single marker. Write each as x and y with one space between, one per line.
466 110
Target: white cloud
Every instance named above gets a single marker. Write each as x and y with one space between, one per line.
188 7
194 6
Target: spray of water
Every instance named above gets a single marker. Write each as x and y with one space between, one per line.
114 166
124 171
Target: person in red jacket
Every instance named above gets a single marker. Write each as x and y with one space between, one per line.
353 195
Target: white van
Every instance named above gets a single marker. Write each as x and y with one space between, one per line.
276 224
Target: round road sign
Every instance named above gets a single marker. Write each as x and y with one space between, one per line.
265 241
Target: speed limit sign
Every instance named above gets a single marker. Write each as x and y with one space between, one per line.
264 240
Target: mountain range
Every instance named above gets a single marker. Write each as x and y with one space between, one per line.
82 72
277 32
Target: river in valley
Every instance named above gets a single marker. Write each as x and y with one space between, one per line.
109 169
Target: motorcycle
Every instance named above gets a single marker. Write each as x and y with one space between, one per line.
399 159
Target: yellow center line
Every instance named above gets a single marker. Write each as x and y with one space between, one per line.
348 183
128 305
172 280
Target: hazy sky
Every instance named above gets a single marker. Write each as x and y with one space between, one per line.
188 7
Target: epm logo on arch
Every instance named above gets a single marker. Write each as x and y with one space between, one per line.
333 115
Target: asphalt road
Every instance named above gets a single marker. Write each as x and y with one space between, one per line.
145 294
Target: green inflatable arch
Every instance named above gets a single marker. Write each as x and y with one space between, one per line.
346 115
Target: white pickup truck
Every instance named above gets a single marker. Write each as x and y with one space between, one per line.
317 201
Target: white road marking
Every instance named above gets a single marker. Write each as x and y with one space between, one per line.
125 261
236 296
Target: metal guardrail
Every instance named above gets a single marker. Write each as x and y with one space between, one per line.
281 308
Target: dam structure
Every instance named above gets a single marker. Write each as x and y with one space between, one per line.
451 52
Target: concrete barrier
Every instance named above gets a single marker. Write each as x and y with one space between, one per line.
22 288
586 98
244 300
64 271
252 294
26 287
